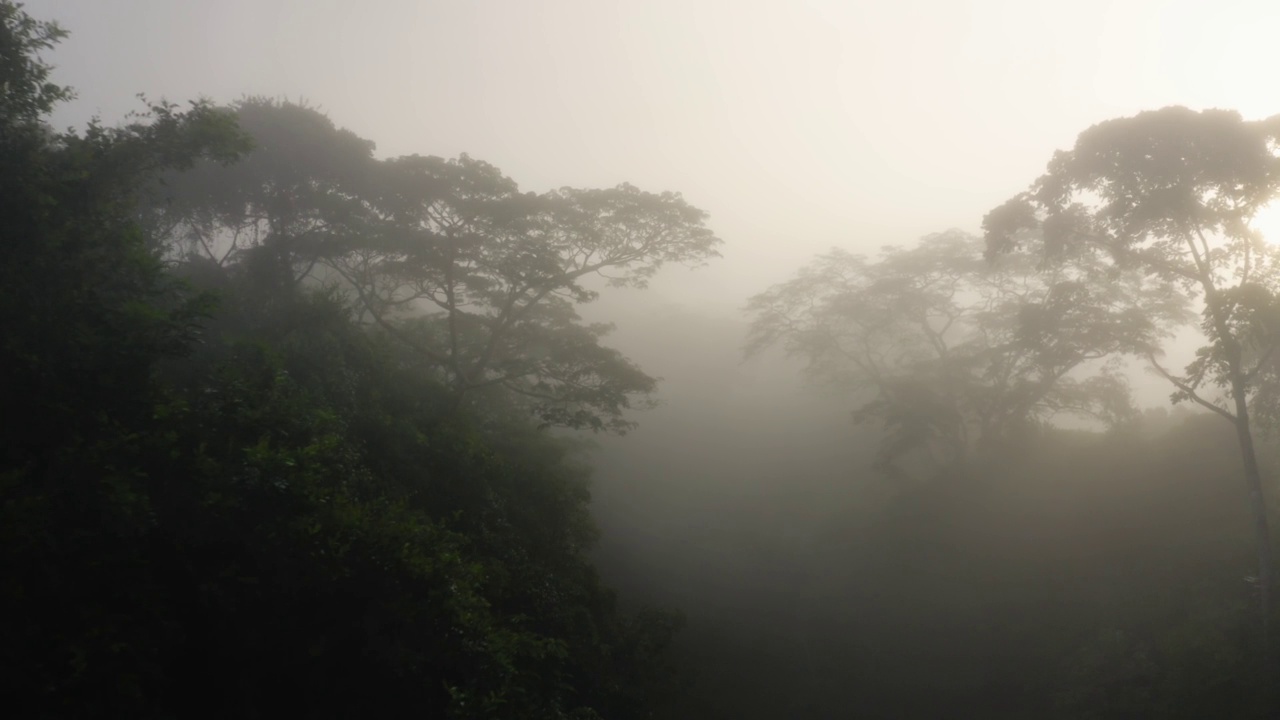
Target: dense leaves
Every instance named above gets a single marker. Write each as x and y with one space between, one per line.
28 93
223 494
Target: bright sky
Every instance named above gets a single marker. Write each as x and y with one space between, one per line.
797 125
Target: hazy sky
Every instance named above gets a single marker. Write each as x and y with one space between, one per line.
797 125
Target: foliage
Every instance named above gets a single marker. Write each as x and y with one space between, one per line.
1170 195
951 351
280 443
446 256
227 496
28 94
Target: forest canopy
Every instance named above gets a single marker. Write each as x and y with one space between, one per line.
277 449
302 429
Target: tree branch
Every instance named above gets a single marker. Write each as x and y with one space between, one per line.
381 321
1249 377
1190 391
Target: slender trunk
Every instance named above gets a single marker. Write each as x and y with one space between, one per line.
1258 507
1252 474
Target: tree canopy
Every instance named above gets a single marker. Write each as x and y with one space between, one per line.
1170 195
948 351
239 484
445 255
297 429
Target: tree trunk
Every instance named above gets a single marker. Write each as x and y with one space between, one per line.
1258 507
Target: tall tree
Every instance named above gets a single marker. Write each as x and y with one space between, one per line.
1171 194
491 276
447 256
949 352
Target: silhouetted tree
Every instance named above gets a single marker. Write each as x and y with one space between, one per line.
447 256
954 352
1170 194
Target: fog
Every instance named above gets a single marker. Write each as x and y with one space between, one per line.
1080 566
797 126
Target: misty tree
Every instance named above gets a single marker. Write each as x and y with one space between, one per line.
950 352
302 194
489 278
1171 194
448 257
28 94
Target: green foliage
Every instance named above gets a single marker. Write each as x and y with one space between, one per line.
224 495
28 94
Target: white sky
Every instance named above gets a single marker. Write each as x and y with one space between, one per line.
797 125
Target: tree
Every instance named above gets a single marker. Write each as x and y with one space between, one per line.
88 314
1170 194
952 353
299 195
446 256
28 95
491 277
218 478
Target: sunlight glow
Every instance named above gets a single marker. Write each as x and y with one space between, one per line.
1267 222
